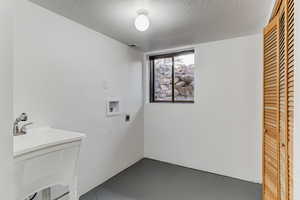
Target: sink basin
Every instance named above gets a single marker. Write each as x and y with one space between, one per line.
46 157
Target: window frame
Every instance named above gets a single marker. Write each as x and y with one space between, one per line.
152 76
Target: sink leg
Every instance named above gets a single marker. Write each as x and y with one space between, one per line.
46 194
73 191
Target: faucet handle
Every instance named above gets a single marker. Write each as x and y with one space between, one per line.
22 118
23 129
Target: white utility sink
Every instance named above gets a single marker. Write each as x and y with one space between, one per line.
46 157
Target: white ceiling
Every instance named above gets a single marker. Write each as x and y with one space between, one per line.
173 22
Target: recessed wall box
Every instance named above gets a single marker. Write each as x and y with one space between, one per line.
113 107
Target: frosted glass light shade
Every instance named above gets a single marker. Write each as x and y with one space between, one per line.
142 22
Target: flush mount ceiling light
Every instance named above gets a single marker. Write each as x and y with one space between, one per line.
142 21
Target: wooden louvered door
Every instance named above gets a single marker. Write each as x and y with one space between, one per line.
283 168
278 111
271 139
290 92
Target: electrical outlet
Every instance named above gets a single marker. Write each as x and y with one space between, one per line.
127 118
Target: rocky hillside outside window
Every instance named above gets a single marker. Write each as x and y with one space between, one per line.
172 77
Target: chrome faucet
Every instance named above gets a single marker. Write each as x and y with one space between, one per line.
23 130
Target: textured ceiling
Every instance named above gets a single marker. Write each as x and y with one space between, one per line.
173 22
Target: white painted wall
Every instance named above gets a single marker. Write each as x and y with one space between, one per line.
6 66
63 74
221 132
297 104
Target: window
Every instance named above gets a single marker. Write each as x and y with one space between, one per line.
172 77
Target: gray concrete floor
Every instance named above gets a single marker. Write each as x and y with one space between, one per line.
153 180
